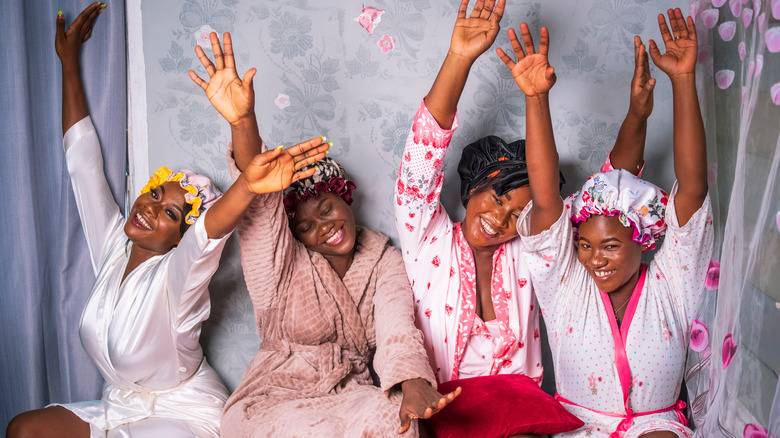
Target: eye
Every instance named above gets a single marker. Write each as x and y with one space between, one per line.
154 193
326 209
584 245
498 200
611 247
172 214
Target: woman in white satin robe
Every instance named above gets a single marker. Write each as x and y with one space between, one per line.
142 322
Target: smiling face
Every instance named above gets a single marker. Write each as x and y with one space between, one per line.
491 219
609 254
155 221
325 224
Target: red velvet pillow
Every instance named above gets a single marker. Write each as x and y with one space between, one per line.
500 406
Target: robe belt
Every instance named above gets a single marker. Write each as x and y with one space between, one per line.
333 364
628 417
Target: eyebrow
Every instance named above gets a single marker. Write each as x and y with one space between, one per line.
611 239
162 189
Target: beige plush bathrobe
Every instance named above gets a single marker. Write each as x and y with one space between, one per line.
320 333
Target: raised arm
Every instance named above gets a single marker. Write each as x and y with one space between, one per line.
629 149
690 148
271 171
471 36
232 96
535 76
67 44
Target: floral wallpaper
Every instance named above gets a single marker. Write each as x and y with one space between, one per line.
355 73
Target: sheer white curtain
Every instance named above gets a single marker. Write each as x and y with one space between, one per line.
735 345
45 272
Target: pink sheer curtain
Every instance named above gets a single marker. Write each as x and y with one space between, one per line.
734 358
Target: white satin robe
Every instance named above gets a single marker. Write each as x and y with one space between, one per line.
143 333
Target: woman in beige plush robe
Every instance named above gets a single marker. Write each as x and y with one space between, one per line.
330 298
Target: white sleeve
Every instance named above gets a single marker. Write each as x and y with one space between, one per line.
684 256
550 255
99 213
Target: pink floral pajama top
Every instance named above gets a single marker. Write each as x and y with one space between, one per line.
441 268
618 379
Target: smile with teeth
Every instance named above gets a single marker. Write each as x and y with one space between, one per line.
488 229
602 274
142 221
335 239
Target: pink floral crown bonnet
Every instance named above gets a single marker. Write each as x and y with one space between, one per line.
201 192
329 177
637 203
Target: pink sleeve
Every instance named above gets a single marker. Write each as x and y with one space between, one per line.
418 211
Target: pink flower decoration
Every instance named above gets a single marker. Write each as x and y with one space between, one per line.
727 30
772 37
387 43
747 16
713 275
699 336
736 7
710 17
712 173
718 3
759 65
202 36
754 431
704 55
369 18
282 101
742 51
724 78
729 350
776 9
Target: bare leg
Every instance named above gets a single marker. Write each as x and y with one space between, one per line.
659 434
53 422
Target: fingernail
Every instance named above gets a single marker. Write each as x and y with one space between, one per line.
324 138
280 146
59 14
327 152
317 168
330 143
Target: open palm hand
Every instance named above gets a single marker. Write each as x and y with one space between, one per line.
232 96
275 170
472 35
532 71
681 45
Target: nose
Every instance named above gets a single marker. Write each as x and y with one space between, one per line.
596 260
325 226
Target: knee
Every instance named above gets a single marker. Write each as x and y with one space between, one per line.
23 426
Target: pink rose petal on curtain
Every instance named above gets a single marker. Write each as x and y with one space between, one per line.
718 3
700 337
704 55
712 173
759 65
387 43
757 6
751 68
776 9
710 17
729 350
754 431
736 7
713 275
724 78
727 30
370 18
747 16
282 101
707 352
742 51
772 37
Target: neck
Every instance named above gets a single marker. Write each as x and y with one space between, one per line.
137 256
621 295
341 264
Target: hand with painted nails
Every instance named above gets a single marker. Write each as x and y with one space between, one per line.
642 84
681 45
532 71
67 43
274 170
421 401
472 35
232 96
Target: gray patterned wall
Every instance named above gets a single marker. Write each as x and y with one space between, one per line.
321 73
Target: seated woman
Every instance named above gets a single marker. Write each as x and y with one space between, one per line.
331 298
142 322
473 292
618 329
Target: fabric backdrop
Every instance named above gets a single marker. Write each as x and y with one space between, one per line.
46 272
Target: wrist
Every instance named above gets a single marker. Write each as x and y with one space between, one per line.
540 98
248 121
411 383
683 79
454 59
